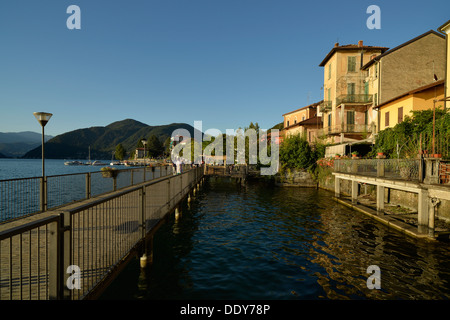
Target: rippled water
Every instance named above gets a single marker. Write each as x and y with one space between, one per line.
263 242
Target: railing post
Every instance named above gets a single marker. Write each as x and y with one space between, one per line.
131 177
88 185
66 253
43 194
168 193
54 260
142 212
380 168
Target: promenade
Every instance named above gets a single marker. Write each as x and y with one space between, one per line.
96 236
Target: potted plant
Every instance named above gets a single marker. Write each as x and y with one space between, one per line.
355 154
108 172
337 156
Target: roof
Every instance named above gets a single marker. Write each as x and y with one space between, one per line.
350 47
420 89
444 26
309 106
311 121
377 58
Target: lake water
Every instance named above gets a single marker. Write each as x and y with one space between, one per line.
264 242
21 197
26 168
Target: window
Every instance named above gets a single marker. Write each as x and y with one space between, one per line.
386 119
329 121
376 70
400 115
303 118
351 92
366 117
287 123
351 64
350 117
329 71
329 94
350 88
375 99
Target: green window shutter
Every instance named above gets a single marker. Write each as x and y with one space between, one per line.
351 64
350 117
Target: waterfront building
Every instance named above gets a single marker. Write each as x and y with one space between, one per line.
347 106
394 111
406 77
306 121
445 29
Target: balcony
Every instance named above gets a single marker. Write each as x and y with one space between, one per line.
325 106
354 98
347 128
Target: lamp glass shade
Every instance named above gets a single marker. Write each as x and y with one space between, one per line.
42 117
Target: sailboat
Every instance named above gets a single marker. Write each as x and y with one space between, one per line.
89 162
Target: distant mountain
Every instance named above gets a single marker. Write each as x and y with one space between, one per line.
103 140
16 144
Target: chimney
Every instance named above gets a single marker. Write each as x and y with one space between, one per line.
360 43
336 44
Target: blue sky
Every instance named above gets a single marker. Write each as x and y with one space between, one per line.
224 62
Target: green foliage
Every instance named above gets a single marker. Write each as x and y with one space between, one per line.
416 131
120 152
295 152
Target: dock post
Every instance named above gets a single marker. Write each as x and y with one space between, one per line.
337 187
380 199
422 208
354 191
431 218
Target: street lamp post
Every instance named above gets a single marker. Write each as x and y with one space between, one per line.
43 118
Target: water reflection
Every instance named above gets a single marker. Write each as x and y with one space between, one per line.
260 242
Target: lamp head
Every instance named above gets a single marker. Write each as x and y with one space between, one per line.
42 117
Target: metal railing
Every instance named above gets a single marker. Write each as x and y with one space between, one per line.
404 169
22 197
347 128
354 98
91 239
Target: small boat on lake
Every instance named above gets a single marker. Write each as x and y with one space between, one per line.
98 163
73 163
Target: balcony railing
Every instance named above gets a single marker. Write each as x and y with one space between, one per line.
354 98
325 106
347 128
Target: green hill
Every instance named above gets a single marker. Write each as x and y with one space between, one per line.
103 140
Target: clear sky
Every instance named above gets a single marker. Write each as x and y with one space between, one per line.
224 62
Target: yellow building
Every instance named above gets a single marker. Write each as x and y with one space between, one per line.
394 111
445 29
304 121
347 106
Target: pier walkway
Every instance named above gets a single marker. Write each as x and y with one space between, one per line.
73 251
421 177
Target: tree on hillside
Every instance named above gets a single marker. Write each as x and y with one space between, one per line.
120 152
154 147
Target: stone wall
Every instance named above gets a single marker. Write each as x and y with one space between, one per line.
296 178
